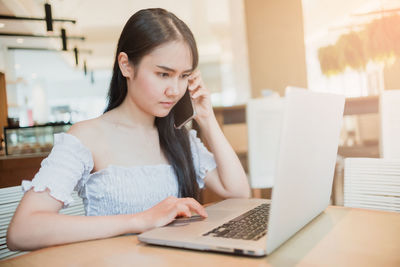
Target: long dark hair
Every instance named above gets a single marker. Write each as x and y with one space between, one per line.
146 30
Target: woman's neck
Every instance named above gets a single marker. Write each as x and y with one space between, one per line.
129 114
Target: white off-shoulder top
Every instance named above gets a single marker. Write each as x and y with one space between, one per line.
116 189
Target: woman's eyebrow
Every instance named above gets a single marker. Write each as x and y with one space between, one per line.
172 70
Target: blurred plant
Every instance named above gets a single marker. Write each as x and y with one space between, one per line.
378 41
383 38
329 60
352 51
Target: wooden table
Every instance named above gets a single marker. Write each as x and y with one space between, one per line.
338 237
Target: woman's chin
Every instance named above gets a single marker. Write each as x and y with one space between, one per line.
162 114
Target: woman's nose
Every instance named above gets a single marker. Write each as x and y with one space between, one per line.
173 89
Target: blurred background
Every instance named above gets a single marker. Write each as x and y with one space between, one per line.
56 58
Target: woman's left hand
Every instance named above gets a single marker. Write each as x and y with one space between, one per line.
201 97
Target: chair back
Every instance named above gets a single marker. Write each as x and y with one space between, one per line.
372 183
9 200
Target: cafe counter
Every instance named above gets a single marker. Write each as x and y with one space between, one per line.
15 168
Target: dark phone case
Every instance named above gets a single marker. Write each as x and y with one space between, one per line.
183 110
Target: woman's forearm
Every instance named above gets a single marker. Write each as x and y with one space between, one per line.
43 229
37 223
230 170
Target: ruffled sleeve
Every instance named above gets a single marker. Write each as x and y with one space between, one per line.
203 160
68 163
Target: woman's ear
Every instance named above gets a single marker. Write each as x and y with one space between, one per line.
124 65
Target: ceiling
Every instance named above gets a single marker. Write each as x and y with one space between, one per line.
101 22
325 20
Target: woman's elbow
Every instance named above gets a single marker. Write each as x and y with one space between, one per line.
13 239
18 236
242 193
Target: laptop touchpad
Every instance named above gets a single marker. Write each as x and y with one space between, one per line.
213 215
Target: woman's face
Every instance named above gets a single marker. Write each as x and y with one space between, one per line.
161 78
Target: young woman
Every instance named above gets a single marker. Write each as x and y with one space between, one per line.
132 168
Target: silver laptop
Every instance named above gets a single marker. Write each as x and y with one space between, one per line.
302 187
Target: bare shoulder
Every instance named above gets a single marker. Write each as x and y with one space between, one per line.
84 128
87 131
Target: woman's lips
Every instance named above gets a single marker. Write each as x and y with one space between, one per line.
167 104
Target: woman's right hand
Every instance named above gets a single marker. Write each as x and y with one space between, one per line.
168 209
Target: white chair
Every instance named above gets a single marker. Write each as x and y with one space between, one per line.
9 200
264 119
390 124
372 183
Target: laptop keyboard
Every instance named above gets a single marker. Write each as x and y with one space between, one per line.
251 225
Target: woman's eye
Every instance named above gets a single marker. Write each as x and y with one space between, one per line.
184 76
163 74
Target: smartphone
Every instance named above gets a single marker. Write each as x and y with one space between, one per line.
183 110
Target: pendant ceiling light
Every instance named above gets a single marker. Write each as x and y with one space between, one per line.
48 17
64 39
76 53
